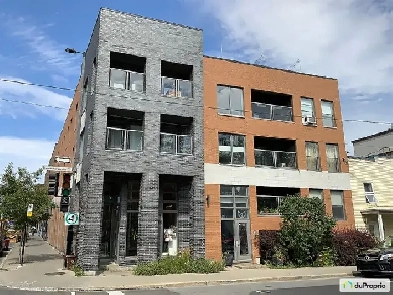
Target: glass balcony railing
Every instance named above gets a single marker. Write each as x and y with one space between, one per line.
123 79
175 144
333 165
269 204
271 112
277 159
313 163
176 87
122 139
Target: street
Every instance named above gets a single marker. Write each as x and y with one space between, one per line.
305 287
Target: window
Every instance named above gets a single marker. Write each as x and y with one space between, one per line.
316 193
307 105
234 202
230 100
369 193
333 158
327 114
232 149
338 209
312 156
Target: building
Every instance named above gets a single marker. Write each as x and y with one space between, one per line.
176 150
65 147
269 133
139 164
378 144
372 195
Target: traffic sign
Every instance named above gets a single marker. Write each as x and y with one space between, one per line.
30 208
29 213
71 218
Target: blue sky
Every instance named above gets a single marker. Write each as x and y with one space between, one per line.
342 40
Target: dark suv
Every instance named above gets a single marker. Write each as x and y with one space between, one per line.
375 262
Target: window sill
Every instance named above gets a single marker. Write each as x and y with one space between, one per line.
271 120
121 150
179 155
232 116
273 167
330 127
233 165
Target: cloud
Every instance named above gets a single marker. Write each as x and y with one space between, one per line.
348 40
47 53
31 94
24 152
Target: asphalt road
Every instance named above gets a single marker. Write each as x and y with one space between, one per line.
309 287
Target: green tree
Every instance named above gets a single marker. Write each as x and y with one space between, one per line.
306 228
18 190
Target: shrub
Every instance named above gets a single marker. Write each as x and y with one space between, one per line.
348 243
326 258
306 229
268 241
182 263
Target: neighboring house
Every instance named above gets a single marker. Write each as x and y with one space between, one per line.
177 150
378 144
372 195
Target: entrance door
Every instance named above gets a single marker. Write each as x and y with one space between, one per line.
242 240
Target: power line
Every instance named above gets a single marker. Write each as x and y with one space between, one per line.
159 101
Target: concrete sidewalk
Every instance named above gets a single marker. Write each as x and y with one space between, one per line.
43 272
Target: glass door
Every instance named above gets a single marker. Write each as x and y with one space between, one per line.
242 240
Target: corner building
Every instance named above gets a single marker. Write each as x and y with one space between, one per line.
139 164
269 133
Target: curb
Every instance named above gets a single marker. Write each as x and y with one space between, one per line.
5 258
178 284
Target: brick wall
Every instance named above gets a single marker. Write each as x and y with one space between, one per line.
218 71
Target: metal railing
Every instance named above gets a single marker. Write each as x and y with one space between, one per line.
124 79
175 144
176 87
313 163
277 159
269 204
271 112
122 139
333 165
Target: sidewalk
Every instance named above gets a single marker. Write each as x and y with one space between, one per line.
43 272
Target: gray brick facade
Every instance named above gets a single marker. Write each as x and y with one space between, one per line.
156 41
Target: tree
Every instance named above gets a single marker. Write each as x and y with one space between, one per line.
17 191
306 228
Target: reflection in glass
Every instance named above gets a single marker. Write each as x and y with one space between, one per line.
227 237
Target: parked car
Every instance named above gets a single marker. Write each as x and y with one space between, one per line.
375 262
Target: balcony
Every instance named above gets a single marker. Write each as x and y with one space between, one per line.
269 199
127 72
275 152
175 136
271 106
124 130
176 80
176 87
333 165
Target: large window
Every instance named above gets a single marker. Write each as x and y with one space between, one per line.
234 202
369 193
308 109
312 156
333 158
230 100
327 114
338 209
232 149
